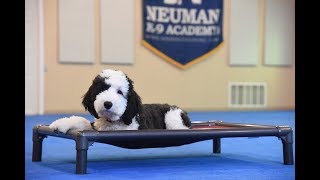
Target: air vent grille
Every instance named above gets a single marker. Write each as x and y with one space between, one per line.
247 94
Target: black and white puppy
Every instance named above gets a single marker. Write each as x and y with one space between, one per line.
114 103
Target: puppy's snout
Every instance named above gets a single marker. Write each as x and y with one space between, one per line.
107 104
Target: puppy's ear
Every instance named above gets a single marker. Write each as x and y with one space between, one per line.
90 97
134 105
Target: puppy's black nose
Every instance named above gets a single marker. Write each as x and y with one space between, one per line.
107 104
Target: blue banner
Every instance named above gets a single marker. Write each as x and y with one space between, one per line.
182 32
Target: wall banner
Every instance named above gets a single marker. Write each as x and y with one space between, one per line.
182 32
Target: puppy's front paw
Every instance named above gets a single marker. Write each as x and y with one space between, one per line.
74 122
60 125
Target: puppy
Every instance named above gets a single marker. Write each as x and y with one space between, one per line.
114 103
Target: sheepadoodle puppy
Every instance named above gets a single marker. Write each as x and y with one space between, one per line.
114 103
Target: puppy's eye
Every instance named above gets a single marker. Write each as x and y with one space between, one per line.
120 92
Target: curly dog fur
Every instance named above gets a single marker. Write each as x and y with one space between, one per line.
114 103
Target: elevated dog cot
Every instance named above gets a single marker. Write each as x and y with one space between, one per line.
137 139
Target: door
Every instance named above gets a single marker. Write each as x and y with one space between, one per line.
32 58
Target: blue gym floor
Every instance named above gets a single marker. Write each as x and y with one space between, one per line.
240 158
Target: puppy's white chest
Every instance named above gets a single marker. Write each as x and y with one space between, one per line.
103 125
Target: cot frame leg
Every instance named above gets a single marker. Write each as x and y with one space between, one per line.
216 145
287 148
37 140
82 145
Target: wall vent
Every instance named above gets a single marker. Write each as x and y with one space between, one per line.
247 94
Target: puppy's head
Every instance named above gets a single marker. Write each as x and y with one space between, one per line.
111 96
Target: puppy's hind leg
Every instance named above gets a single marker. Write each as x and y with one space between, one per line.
74 122
177 119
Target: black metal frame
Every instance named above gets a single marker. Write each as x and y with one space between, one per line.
136 139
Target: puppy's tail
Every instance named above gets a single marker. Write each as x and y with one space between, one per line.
185 119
